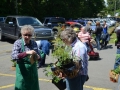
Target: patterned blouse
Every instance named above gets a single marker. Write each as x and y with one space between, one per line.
80 50
17 52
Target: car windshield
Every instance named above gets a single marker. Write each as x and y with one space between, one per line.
58 20
29 21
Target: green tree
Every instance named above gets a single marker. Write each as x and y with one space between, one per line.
113 6
7 7
44 8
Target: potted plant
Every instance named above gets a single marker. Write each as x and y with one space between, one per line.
58 82
13 65
66 63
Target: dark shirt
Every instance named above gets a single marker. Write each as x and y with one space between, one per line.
98 30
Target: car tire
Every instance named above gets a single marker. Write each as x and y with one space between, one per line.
1 36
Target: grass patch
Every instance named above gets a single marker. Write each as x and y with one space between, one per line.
112 38
111 30
112 34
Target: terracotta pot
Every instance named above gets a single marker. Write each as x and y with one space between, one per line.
13 68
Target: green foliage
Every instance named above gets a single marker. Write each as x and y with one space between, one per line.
44 8
13 63
117 56
113 5
112 38
61 51
49 73
117 70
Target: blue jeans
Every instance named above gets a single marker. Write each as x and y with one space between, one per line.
98 41
76 83
88 47
117 60
118 51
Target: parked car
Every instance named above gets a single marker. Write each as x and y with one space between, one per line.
12 26
2 19
81 21
75 24
53 23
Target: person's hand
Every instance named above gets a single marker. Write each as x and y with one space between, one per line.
38 57
61 75
31 52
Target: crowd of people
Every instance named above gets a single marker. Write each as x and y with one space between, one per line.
101 34
25 48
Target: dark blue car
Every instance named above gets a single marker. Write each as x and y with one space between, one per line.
53 21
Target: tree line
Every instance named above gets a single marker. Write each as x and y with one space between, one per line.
113 6
44 8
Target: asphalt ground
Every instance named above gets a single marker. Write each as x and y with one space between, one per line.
98 70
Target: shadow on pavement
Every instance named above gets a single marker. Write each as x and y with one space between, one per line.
95 59
8 40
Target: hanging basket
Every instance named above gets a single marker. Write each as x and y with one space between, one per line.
69 70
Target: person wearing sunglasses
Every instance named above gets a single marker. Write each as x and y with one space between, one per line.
25 53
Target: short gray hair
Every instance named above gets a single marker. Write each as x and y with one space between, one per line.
68 34
27 28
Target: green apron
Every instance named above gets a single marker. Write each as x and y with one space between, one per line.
26 74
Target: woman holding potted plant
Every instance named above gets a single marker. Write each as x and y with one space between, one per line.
79 50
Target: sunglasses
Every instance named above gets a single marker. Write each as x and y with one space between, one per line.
29 35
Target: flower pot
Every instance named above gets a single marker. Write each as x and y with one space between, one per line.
68 65
13 68
71 69
61 85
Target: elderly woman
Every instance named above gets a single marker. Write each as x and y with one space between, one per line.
78 49
26 68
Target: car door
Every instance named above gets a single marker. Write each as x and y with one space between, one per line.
13 28
6 26
10 27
